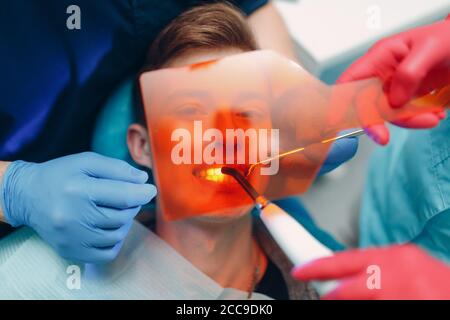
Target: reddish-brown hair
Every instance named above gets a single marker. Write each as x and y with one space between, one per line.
209 26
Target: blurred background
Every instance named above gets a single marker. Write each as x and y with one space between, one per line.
329 35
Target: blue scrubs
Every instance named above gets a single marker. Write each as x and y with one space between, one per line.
407 194
53 80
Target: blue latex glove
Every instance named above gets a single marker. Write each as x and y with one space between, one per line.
82 205
341 151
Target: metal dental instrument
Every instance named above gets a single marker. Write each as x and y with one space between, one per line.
355 133
295 241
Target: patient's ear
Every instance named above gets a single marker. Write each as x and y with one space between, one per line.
138 145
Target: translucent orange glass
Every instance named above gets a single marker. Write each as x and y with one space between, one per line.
246 108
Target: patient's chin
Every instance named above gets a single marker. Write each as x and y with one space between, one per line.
225 216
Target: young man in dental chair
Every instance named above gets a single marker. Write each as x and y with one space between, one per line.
51 100
228 245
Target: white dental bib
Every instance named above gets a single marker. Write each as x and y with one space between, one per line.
146 268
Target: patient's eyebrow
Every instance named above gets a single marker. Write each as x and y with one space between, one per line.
249 95
203 94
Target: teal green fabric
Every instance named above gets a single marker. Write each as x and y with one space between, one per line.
110 132
407 194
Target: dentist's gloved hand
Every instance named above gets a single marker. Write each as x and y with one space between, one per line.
341 151
405 272
83 205
410 64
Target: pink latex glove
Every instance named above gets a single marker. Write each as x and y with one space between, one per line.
410 64
406 272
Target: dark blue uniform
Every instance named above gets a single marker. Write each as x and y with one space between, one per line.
53 80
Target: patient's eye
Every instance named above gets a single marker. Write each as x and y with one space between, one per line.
191 109
253 112
248 114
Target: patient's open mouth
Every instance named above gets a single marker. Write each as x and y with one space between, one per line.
214 173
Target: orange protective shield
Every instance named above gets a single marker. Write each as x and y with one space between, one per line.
241 110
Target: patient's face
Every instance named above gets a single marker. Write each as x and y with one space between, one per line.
192 123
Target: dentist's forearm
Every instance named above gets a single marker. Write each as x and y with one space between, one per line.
3 166
271 32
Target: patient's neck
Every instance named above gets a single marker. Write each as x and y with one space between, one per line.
226 252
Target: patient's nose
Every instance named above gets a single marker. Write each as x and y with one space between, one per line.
234 147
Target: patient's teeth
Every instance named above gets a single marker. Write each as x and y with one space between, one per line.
214 174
